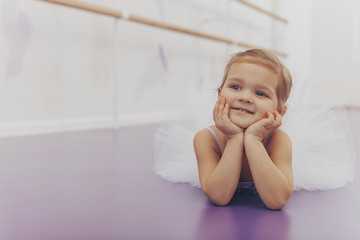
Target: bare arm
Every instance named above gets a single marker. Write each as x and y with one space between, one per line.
272 172
219 177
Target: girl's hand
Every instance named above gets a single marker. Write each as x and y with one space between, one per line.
263 127
222 120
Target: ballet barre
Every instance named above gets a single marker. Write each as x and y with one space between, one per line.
138 19
259 9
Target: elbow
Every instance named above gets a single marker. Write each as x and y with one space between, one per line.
220 202
277 203
275 206
218 199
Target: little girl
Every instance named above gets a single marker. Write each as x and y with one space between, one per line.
245 148
245 151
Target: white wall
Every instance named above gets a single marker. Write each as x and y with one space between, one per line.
335 51
56 63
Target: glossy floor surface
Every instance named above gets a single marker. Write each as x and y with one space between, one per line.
100 185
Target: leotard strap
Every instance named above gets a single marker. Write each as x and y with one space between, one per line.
269 137
216 138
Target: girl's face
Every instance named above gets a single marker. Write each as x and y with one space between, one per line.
250 91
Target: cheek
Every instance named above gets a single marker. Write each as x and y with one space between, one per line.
231 96
225 95
272 106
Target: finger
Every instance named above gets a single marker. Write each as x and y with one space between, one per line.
225 113
216 107
220 105
218 110
270 115
276 115
278 118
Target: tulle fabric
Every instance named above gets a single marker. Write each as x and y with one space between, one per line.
175 158
323 152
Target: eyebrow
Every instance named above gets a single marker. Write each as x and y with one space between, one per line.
235 79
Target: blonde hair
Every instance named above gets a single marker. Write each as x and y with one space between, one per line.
269 60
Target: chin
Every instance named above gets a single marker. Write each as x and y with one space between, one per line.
242 125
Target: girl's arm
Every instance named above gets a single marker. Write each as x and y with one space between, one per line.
219 177
271 170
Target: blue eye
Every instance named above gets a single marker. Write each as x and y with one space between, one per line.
261 94
236 87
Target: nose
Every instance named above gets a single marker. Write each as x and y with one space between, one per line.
245 97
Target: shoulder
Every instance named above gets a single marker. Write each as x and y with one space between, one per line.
280 142
204 141
280 135
202 137
205 133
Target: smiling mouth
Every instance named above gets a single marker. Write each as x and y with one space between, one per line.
243 110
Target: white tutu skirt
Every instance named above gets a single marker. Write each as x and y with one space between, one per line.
323 152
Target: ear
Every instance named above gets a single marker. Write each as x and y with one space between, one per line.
219 91
282 110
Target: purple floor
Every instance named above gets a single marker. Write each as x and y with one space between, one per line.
100 185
